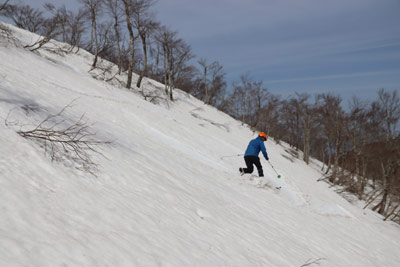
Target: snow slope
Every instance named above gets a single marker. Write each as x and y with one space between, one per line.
167 192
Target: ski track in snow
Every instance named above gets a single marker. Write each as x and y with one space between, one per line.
289 191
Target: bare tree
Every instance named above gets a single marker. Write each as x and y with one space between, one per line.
355 130
93 7
24 17
210 85
290 118
270 115
62 139
155 68
50 29
332 121
389 150
248 100
76 28
259 96
238 101
203 81
307 112
218 84
115 12
145 26
106 44
129 6
384 164
72 26
389 105
63 18
165 38
179 53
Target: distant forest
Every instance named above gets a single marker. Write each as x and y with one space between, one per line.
359 144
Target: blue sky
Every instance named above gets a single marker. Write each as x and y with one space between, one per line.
347 47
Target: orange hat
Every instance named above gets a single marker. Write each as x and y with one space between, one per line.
262 134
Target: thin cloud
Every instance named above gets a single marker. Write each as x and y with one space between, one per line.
330 77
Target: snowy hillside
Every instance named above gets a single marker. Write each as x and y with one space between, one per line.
167 191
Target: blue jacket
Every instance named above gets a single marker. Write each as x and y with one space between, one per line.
254 147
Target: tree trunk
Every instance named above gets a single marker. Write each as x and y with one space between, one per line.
131 44
165 71
143 72
307 136
90 48
96 48
170 84
362 180
329 165
118 44
336 163
386 187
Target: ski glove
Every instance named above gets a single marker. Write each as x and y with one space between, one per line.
267 158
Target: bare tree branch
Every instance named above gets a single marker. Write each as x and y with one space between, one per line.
310 262
64 140
4 5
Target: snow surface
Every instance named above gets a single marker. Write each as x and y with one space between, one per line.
168 191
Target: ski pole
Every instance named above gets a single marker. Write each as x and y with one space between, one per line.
279 176
231 156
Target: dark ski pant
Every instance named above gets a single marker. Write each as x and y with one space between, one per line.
250 160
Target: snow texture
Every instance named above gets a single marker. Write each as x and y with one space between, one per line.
167 191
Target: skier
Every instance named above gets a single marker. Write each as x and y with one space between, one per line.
251 155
